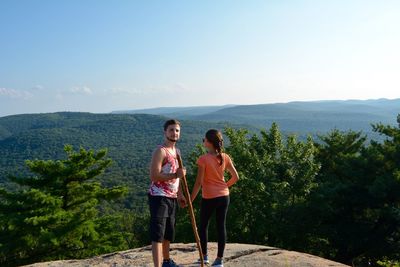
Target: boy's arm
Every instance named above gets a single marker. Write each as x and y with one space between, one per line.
155 168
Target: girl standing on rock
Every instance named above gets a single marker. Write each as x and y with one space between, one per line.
215 191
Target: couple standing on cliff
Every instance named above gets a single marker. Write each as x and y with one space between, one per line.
165 193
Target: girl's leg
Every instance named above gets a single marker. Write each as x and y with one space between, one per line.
221 211
206 210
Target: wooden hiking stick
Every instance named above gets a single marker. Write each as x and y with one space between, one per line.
191 212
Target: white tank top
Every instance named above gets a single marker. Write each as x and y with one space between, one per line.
167 188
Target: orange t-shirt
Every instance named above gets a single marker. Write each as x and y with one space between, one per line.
214 184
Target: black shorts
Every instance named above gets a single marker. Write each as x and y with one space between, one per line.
162 218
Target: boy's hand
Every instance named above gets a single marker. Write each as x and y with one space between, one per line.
180 172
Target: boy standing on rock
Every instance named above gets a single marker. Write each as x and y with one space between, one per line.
164 194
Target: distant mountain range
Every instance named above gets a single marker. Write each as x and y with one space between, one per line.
307 117
175 111
129 138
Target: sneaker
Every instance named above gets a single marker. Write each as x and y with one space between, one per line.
205 260
218 262
169 263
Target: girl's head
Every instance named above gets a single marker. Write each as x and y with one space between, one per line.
214 143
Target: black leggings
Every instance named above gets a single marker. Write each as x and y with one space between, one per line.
208 206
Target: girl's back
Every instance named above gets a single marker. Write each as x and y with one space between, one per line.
214 184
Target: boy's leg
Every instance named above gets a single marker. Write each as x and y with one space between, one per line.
156 249
169 235
158 220
165 249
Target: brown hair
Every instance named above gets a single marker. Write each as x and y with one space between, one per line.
215 138
170 122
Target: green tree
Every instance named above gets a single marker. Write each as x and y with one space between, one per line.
276 176
134 227
337 228
356 204
54 213
337 197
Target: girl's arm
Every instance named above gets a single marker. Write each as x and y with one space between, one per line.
234 175
198 183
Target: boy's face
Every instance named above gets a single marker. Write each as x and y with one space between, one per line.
173 132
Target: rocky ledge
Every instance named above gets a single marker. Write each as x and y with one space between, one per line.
186 255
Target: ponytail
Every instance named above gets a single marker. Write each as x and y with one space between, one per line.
215 137
219 151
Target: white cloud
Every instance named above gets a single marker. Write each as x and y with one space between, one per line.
14 93
81 90
181 87
151 90
38 87
169 89
59 96
120 91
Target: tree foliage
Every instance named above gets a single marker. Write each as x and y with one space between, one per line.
337 197
54 214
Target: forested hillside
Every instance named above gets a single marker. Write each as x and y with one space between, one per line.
130 140
336 196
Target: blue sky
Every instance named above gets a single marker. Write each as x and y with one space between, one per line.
100 56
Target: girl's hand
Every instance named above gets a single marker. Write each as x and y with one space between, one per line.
182 202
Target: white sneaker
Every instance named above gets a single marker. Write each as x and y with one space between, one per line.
205 260
218 262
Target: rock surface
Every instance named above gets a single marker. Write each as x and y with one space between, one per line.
186 255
